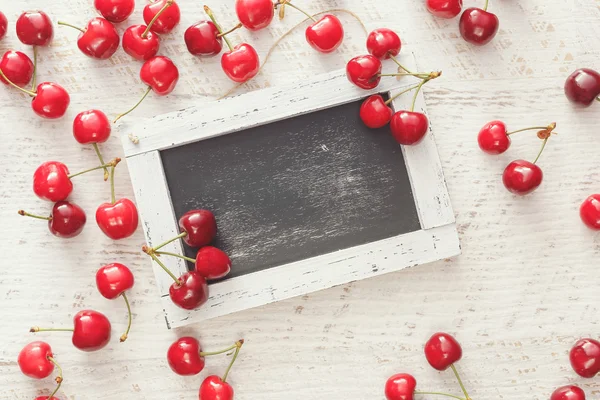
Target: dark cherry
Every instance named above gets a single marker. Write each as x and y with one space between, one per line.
214 388
409 127
374 113
3 25
325 35
200 226
91 126
522 177
35 28
167 20
91 331
184 356
582 87
444 8
442 350
240 64
364 71
66 220
569 392
212 263
202 39
51 181
138 46
34 360
478 26
255 14
383 43
493 138
590 212
117 220
17 67
190 292
400 387
585 358
115 10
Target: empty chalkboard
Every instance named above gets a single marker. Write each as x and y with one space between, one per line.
294 189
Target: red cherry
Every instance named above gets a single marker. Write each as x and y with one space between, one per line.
91 126
184 356
92 330
113 280
254 14
200 226
585 358
590 212
522 177
117 220
241 63
34 360
3 25
139 46
46 398
409 127
51 181
568 393
168 18
400 387
35 28
582 87
363 71
202 39
17 67
160 74
383 43
212 263
444 8
98 40
374 113
493 138
214 388
190 291
478 26
67 220
115 10
51 100
442 350
326 34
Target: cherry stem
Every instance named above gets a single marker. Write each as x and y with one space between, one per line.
401 93
412 107
160 246
441 394
134 107
398 63
235 355
166 253
597 98
168 4
238 26
33 82
236 345
163 266
460 381
113 199
210 14
58 379
97 150
71 26
533 128
485 7
38 329
287 2
421 75
113 163
541 150
126 334
29 92
26 214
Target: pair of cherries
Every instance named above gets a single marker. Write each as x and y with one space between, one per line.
186 358
198 229
477 25
520 177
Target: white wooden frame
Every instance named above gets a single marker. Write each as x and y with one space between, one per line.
436 240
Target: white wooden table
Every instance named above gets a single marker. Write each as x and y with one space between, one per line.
524 290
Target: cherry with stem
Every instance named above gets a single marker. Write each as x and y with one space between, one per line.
168 4
210 262
119 218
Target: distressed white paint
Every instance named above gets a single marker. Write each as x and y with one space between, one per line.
523 290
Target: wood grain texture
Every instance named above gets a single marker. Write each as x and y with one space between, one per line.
523 291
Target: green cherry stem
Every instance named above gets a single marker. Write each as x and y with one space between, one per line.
533 128
464 390
33 81
168 4
399 94
97 150
441 394
235 355
236 345
113 199
160 246
58 379
126 334
597 98
394 59
166 253
238 26
113 163
164 267
26 214
485 7
422 75
287 2
414 100
210 14
11 83
134 107
71 26
541 150
38 329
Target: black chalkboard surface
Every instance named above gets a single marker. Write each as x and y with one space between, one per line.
295 189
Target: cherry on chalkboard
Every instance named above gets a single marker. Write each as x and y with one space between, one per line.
35 28
255 14
375 113
3 25
115 10
189 291
162 15
199 227
66 220
98 40
212 263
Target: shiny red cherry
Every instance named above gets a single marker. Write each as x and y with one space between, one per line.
493 138
92 330
400 387
17 67
582 87
383 43
34 360
117 220
91 126
590 212
364 71
444 8
255 14
212 263
585 358
161 74
478 26
51 181
202 39
184 356
115 10
139 45
98 40
200 226
442 350
3 25
326 34
241 63
374 113
67 219
190 292
168 19
569 392
113 280
409 127
214 388
35 28
522 177
51 100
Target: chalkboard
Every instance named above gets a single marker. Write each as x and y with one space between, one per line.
294 189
